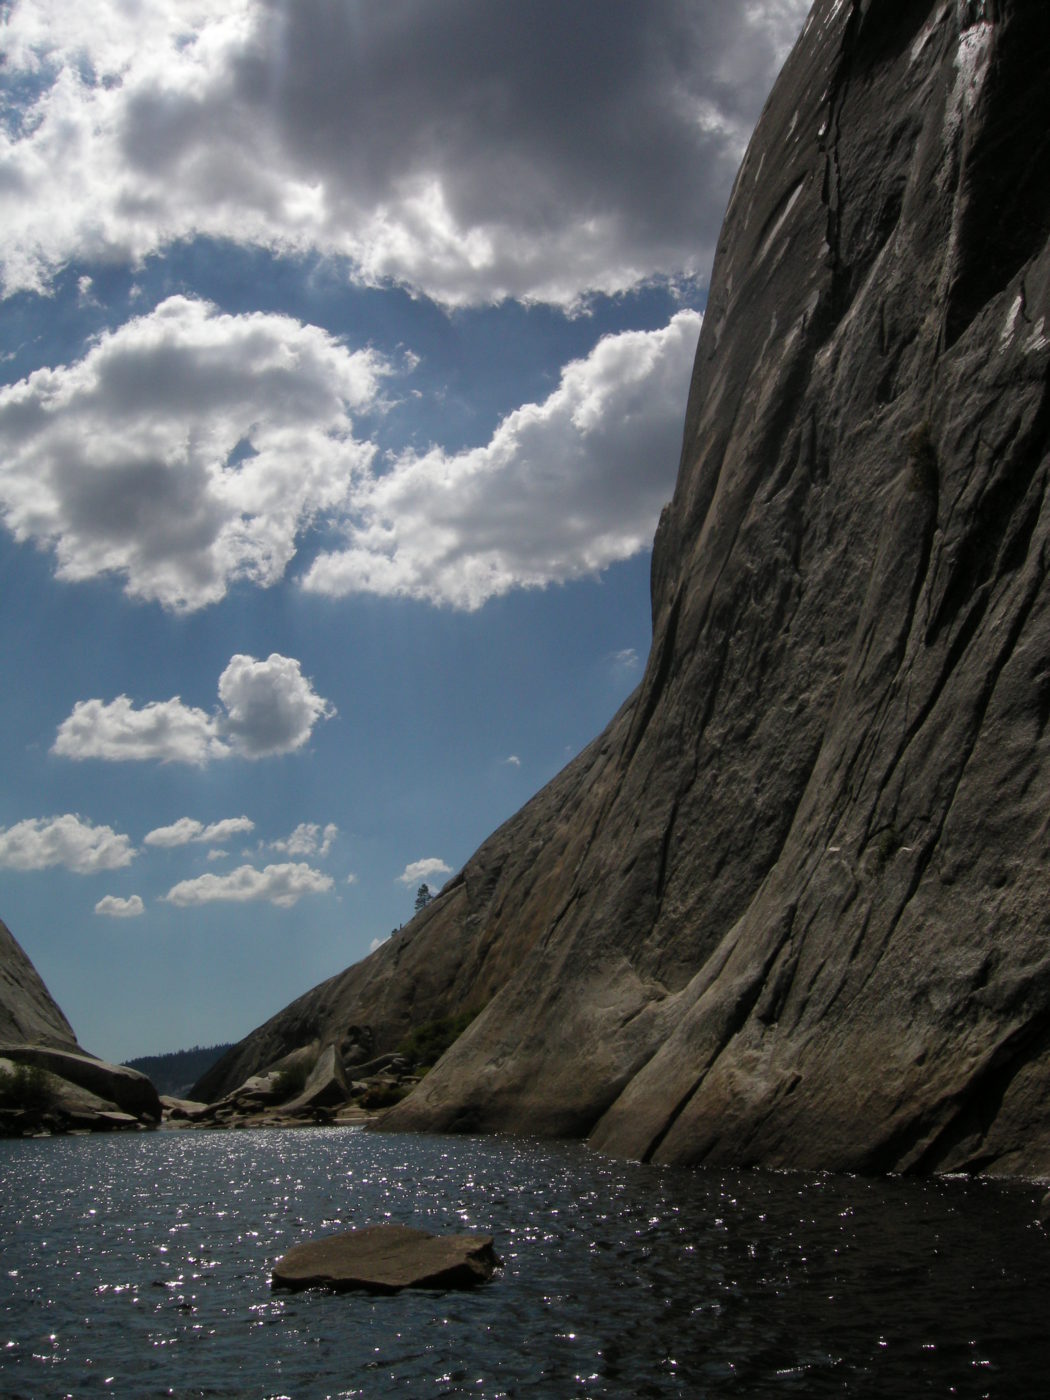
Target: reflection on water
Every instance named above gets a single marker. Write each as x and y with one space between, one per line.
140 1265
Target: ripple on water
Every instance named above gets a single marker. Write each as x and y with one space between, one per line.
140 1265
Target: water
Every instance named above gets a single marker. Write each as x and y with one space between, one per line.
140 1266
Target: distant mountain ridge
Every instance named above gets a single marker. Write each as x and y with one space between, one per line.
176 1072
791 908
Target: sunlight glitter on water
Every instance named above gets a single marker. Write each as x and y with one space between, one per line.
141 1266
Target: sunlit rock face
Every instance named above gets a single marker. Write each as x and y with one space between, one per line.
793 906
28 1012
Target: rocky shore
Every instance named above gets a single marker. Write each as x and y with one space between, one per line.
310 1085
46 1090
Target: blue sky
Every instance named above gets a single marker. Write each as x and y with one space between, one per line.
345 351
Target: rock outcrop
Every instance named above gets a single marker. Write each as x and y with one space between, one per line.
791 907
47 1082
121 1087
28 1012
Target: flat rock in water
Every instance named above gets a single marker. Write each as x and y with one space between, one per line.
387 1258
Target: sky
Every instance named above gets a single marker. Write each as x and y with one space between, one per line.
344 351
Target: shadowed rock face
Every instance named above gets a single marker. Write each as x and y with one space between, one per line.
791 908
83 1091
27 1011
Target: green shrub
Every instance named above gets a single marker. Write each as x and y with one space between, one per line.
383 1095
290 1081
426 1043
886 844
25 1086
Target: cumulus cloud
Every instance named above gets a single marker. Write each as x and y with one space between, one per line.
168 730
512 761
471 150
188 829
189 450
424 869
186 451
283 885
116 908
67 841
308 839
270 708
563 488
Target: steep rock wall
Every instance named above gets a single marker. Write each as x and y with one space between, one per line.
791 908
27 1011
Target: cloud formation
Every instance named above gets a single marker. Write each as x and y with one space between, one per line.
424 869
188 829
186 451
271 708
563 488
116 908
67 841
625 660
308 840
472 151
165 730
131 462
283 885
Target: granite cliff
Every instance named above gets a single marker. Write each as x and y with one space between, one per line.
792 907
27 1010
47 1082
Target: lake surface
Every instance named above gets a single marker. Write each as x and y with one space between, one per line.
139 1265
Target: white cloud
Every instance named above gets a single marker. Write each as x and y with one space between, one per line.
308 840
179 833
188 829
378 943
625 660
424 869
117 908
351 879
283 885
563 489
167 730
226 829
271 708
67 841
472 151
186 451
512 761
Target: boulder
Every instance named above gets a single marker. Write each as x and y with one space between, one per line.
180 1110
386 1259
61 1106
125 1089
326 1087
